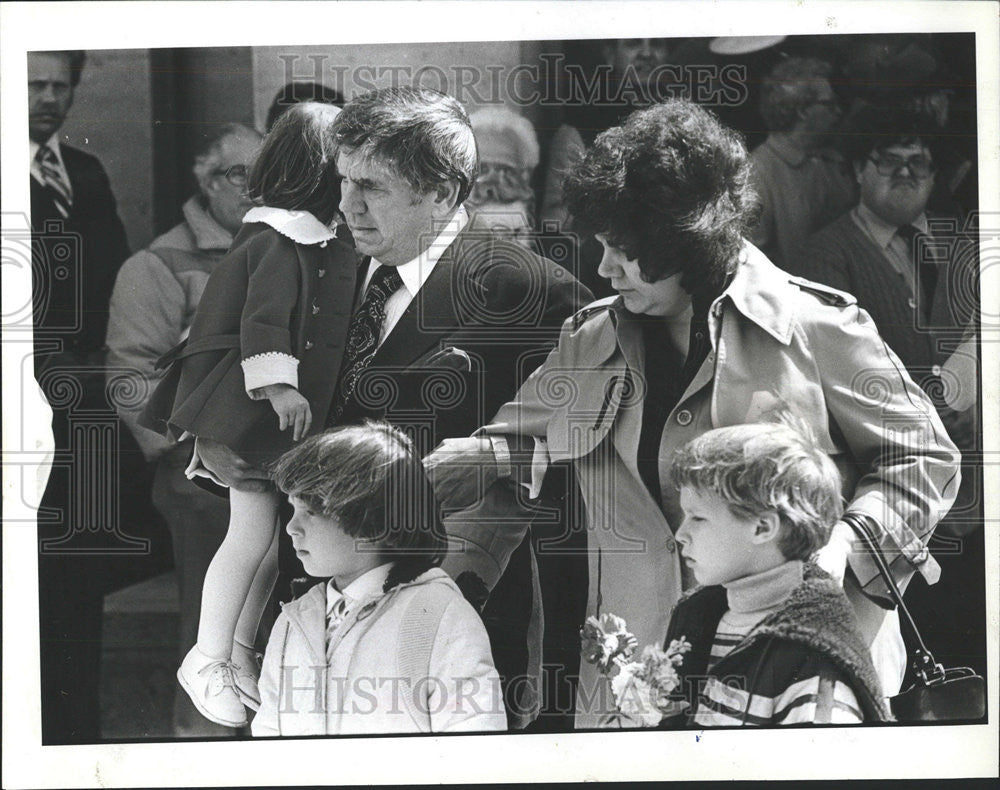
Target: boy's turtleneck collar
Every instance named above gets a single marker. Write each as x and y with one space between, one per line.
766 590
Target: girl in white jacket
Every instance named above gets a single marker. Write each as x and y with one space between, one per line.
388 644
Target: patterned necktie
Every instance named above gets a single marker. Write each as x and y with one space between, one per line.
363 337
62 195
924 271
335 615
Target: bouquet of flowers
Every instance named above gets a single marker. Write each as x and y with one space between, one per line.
641 688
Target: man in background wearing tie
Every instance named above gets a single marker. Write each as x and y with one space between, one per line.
917 276
70 187
78 244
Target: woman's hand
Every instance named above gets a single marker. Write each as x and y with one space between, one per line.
461 470
833 556
216 462
291 407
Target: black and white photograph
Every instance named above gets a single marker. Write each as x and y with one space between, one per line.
404 392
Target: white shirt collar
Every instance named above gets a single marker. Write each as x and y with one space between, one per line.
52 142
302 227
415 273
879 230
368 585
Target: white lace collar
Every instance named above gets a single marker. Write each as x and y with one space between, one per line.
300 226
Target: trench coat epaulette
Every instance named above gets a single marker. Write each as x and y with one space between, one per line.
583 315
824 293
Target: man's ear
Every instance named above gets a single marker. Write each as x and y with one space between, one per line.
767 528
445 198
206 183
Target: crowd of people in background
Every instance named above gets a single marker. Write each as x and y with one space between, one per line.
859 185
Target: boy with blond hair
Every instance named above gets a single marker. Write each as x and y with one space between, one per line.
774 639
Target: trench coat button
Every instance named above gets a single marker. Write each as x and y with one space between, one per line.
321 273
684 417
315 309
936 370
671 545
309 345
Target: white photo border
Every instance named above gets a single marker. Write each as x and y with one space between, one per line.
855 752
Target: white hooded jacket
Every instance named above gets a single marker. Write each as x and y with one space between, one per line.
415 659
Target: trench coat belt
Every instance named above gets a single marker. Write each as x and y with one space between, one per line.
185 349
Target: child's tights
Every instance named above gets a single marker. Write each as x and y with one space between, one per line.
242 574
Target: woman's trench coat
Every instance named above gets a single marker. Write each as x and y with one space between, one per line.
778 342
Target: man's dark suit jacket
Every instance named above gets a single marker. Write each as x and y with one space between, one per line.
76 259
486 317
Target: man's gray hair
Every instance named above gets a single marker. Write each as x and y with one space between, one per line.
424 135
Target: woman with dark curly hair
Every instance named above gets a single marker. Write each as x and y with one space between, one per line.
705 332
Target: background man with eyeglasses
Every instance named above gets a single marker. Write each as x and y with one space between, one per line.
918 287
154 301
803 184
916 275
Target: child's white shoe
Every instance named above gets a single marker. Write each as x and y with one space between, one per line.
210 685
245 662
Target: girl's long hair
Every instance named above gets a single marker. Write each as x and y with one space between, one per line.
296 166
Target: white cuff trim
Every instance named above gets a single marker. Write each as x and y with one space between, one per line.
501 451
299 226
539 465
272 367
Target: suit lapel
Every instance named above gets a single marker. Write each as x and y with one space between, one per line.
430 317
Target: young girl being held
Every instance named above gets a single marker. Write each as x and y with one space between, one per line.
257 374
389 644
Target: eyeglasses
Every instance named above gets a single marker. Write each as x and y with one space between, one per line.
235 175
890 164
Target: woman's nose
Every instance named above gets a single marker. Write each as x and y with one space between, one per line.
292 527
683 535
608 267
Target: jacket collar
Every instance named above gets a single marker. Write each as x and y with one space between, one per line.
816 614
299 226
308 613
208 234
444 300
759 290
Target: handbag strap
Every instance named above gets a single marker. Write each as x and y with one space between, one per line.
926 668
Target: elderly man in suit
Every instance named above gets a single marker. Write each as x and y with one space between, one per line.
449 319
78 243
